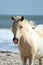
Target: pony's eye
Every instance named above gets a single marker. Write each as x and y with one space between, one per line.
20 27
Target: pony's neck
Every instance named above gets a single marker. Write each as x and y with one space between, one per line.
32 33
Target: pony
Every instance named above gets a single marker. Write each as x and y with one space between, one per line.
28 38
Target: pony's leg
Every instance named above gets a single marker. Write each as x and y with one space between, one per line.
23 61
40 62
31 60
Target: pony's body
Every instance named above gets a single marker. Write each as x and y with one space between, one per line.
39 31
29 40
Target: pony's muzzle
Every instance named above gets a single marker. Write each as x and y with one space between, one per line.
15 40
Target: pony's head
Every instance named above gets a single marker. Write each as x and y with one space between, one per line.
19 28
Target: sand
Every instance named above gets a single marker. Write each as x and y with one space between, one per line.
11 58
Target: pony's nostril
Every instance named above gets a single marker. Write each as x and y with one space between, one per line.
15 40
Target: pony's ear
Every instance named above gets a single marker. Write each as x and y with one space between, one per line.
22 18
12 17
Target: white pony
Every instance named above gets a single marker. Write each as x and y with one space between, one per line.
29 39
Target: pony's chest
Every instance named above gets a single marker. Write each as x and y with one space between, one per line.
25 49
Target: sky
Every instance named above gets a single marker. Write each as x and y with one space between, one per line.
21 7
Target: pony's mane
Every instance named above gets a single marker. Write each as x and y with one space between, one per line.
31 23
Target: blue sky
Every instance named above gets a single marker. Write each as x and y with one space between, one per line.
21 7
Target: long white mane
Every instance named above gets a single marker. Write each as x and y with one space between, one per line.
31 23
38 41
